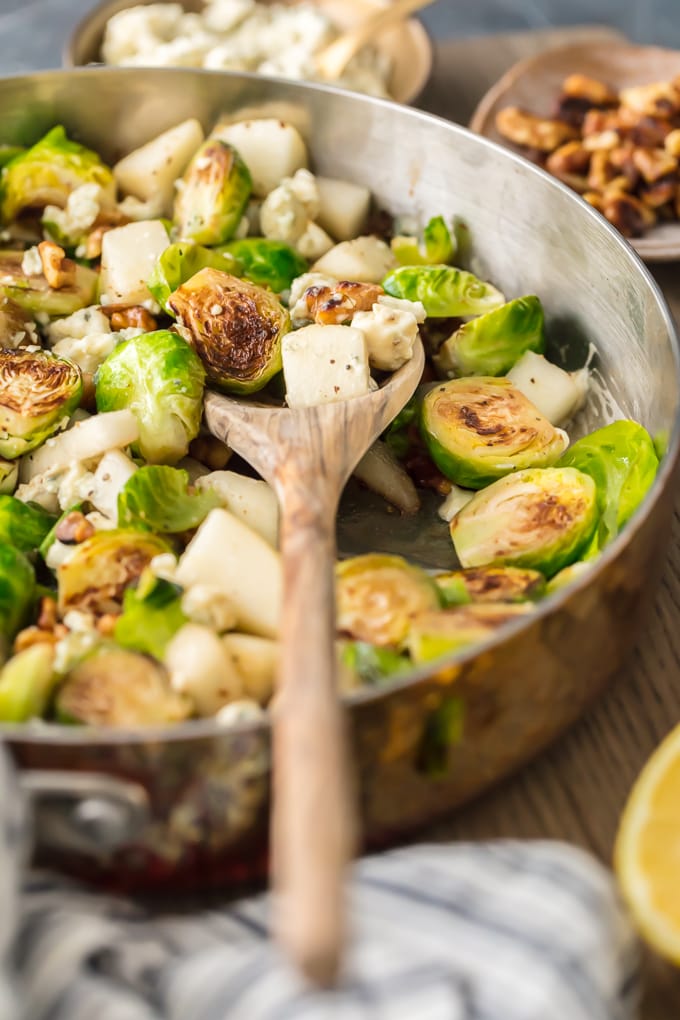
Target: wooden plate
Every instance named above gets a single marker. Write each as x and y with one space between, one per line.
407 44
534 84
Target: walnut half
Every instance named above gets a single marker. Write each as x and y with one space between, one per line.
540 133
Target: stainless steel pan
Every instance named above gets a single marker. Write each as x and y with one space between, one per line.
188 806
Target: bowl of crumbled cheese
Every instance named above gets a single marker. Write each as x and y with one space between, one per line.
280 39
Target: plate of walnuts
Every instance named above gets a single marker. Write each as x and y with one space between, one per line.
605 119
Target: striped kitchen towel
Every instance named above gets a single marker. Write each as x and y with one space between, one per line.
498 931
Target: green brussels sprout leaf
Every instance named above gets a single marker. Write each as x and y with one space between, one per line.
152 615
213 195
622 461
158 498
540 519
27 682
271 264
235 328
480 429
38 394
491 344
23 525
9 476
160 378
180 262
438 247
444 291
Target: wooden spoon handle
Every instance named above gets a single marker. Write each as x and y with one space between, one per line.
313 826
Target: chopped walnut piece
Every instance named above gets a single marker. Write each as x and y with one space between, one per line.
602 172
47 619
57 269
596 92
672 143
93 242
660 99
74 529
594 198
659 193
335 305
570 163
605 140
654 163
596 122
621 159
130 317
533 132
30 636
627 213
106 624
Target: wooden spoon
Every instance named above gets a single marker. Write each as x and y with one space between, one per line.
332 60
307 455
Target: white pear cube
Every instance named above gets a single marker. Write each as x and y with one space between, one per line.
270 148
324 364
229 555
201 668
365 259
249 499
557 394
129 254
152 170
344 207
256 660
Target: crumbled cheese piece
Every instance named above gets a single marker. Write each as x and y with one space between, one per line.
73 648
390 336
283 216
207 604
315 242
304 187
31 264
88 352
83 206
416 308
100 522
58 553
242 711
76 484
164 566
79 325
134 209
76 620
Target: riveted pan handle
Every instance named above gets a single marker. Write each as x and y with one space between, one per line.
84 812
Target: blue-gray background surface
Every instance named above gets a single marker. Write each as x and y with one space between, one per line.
33 32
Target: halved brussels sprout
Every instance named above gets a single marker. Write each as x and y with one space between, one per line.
95 577
23 525
378 597
26 684
373 665
541 519
47 173
17 591
491 344
9 476
271 264
152 615
33 294
443 290
179 262
160 378
116 687
213 195
159 499
38 394
491 584
235 327
622 461
433 635
479 429
438 247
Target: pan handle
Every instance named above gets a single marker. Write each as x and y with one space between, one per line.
84 812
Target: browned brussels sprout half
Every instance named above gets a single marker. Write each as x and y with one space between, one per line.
234 327
378 596
434 635
38 394
491 584
213 195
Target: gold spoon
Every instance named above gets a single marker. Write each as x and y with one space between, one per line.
332 60
307 455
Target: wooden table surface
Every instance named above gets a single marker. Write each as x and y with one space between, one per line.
577 789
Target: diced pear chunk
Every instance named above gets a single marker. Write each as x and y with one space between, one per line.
256 660
270 148
344 207
557 394
151 171
250 499
365 259
324 364
129 254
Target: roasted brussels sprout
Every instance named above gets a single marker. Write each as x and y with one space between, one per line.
443 290
47 173
17 590
491 344
33 294
234 326
159 499
9 476
479 429
152 615
179 262
267 263
491 584
27 682
213 194
371 664
38 394
95 577
378 596
23 525
159 377
540 518
433 635
116 687
621 459
438 247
